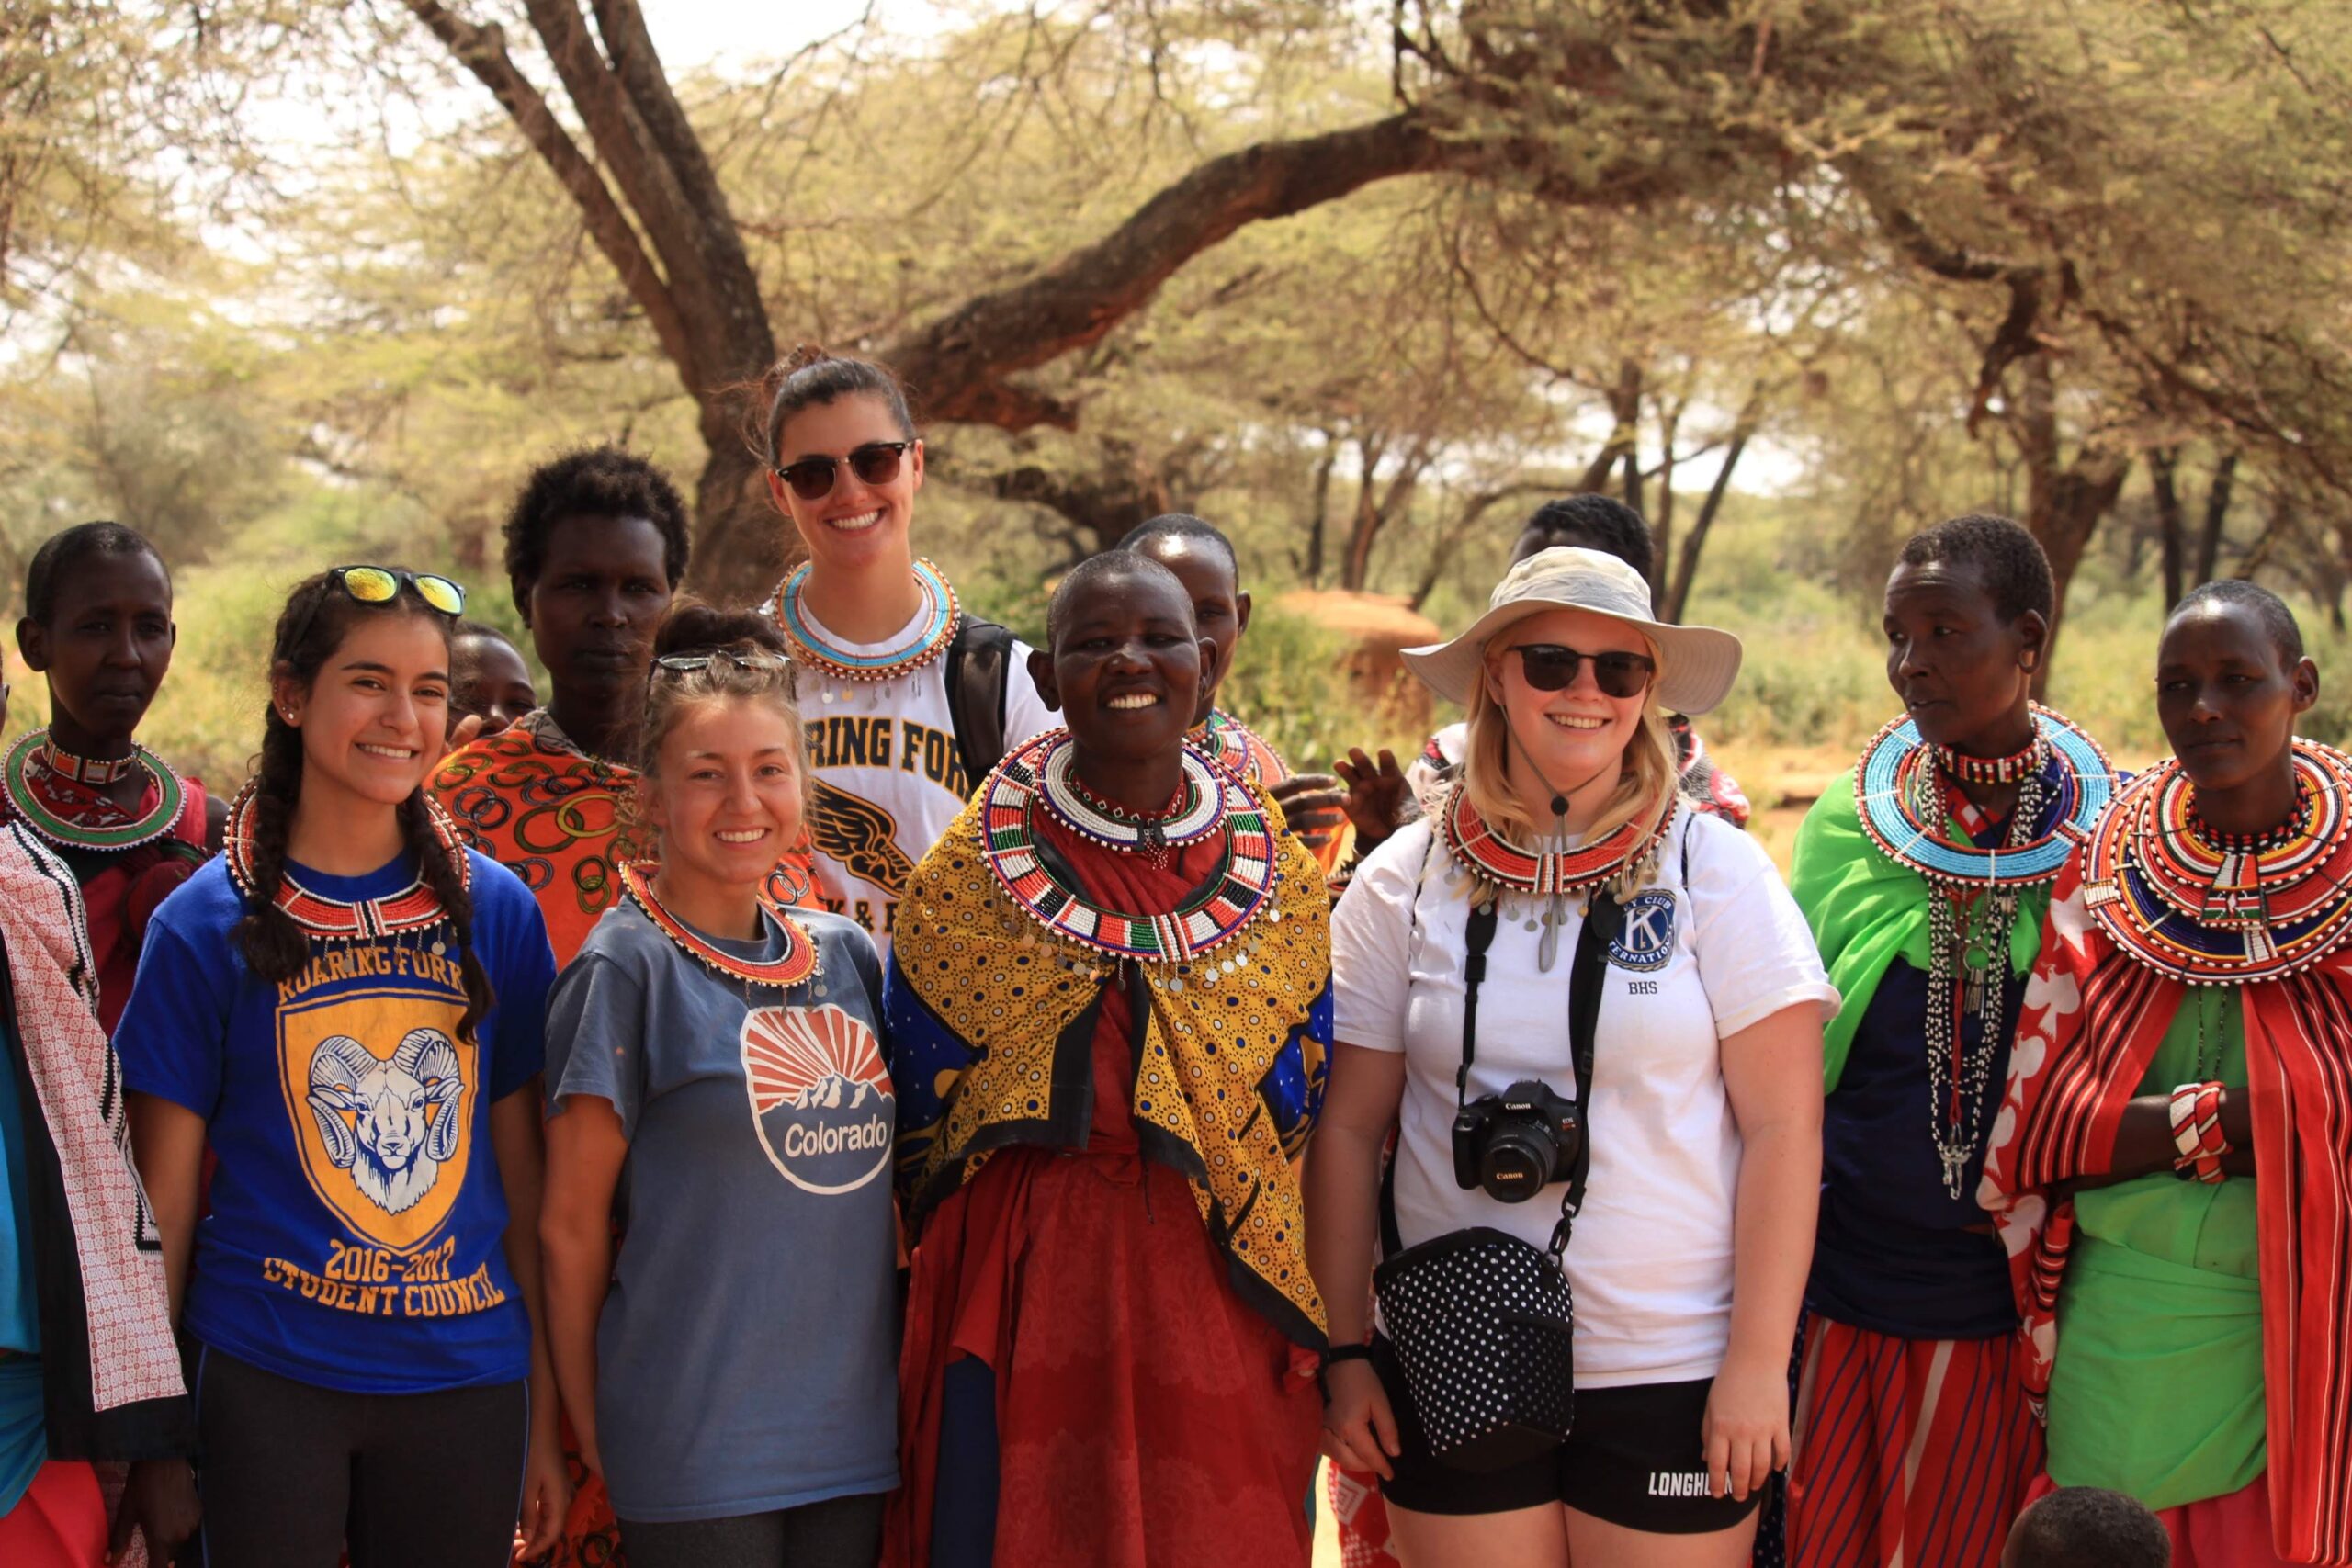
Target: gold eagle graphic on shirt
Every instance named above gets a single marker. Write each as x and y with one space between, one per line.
861 837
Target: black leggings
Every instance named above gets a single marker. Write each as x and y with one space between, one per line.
293 1472
840 1532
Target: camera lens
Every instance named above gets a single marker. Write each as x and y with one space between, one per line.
1517 1163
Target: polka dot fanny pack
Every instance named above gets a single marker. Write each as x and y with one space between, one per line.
1482 1323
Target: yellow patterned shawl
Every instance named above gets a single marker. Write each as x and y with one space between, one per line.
991 1023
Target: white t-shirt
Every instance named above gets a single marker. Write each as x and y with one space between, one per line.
1650 1260
887 780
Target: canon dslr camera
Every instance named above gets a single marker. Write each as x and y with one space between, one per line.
1516 1143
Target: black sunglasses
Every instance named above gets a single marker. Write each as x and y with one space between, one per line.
1549 667
876 463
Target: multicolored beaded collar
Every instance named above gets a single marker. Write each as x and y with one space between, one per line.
1233 743
1196 810
2015 768
1231 897
70 811
795 964
1494 859
2215 916
1898 785
936 629
414 907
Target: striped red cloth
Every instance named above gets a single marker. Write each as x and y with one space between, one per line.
1910 1453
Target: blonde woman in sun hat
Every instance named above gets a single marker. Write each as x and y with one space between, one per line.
1468 976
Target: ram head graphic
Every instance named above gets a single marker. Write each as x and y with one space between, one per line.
862 838
396 1140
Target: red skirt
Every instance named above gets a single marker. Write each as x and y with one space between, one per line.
1144 1414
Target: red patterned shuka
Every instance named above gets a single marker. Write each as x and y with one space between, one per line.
2121 949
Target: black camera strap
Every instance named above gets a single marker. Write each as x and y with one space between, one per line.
1587 975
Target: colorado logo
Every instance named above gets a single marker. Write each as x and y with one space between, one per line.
821 1101
1647 939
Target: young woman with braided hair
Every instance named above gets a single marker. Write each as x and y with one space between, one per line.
347 1006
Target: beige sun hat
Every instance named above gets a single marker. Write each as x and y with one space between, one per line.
1695 664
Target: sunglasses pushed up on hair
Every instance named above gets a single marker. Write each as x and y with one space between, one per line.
1551 667
674 664
382 584
876 463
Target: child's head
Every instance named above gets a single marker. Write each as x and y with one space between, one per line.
722 775
1586 523
358 709
2087 1527
595 545
2231 681
1967 621
97 623
487 677
843 457
1123 661
1203 559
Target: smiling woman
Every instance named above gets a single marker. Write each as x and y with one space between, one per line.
716 1067
910 699
344 1009
1108 1007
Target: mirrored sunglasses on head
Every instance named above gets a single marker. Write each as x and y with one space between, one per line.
382 584
876 463
760 661
1551 667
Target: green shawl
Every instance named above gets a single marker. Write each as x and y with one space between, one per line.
1867 910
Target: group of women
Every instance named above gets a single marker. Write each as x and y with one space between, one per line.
835 1084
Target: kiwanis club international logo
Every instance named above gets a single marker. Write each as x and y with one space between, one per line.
1645 941
821 1101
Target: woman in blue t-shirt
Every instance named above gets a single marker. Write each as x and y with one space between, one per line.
347 1007
716 1066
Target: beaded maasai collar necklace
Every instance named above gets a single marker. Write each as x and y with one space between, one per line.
70 811
1192 815
414 907
796 963
2213 915
2015 768
1494 859
1227 739
933 631
1230 899
97 772
1899 788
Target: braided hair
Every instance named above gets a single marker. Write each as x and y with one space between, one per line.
317 617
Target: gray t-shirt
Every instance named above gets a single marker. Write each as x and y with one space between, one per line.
746 1359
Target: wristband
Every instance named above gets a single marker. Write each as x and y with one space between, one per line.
1338 1353
2195 1115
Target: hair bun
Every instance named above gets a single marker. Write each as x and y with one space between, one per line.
696 626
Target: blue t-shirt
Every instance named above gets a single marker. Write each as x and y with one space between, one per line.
747 1356
357 1237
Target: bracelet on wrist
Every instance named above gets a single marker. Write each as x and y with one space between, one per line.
1337 1353
2195 1110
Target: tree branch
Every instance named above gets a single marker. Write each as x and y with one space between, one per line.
483 51
957 366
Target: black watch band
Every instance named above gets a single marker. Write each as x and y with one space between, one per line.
1346 1353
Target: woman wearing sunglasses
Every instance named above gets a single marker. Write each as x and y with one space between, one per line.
910 701
344 1008
1566 921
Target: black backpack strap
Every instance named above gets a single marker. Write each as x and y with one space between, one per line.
980 681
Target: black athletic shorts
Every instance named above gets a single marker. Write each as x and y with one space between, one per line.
1633 1459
